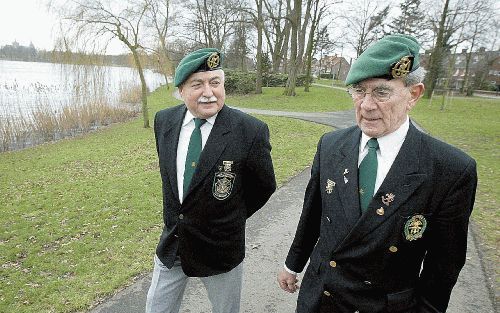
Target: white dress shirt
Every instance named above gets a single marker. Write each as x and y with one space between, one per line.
182 148
389 146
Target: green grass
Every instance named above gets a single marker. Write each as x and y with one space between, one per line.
319 99
329 82
81 217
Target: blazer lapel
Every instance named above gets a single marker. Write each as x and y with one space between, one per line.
346 176
171 135
214 147
401 181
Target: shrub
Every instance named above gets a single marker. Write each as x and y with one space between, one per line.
239 82
244 82
326 75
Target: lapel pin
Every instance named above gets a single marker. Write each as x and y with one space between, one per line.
329 186
346 171
388 198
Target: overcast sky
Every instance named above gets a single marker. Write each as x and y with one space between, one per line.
26 21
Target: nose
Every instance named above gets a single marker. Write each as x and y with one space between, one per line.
367 103
207 90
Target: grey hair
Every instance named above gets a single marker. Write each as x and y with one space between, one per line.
415 77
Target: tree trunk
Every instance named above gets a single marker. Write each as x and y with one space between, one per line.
292 72
258 74
437 55
144 89
310 44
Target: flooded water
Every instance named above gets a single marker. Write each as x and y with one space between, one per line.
25 86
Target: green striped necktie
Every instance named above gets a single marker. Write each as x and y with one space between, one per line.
368 175
193 154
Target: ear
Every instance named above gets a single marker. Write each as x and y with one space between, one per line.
416 92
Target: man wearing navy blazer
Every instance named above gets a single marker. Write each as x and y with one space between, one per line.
388 234
206 198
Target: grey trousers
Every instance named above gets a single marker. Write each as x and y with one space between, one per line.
168 286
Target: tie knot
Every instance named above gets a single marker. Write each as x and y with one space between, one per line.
198 122
372 143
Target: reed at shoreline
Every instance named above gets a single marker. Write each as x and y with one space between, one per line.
43 123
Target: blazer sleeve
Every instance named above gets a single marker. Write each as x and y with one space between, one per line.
447 242
260 182
307 232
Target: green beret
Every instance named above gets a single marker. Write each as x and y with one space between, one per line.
202 60
393 56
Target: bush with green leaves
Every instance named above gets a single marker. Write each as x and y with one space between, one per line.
244 82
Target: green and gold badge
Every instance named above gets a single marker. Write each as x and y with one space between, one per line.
415 227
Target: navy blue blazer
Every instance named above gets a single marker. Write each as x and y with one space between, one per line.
234 179
405 253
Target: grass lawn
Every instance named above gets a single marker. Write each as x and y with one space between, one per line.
319 99
81 217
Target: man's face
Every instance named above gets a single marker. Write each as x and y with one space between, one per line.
386 107
204 93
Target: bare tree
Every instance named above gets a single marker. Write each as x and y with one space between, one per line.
478 33
90 19
260 30
277 30
365 23
295 18
449 31
318 12
160 17
213 21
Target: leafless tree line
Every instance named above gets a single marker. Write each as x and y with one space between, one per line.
280 36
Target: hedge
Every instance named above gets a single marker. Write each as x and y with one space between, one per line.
244 82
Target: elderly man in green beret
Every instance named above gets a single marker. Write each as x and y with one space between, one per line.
386 211
216 171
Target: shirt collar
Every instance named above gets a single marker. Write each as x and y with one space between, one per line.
189 118
390 141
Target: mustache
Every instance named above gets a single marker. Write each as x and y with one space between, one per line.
207 100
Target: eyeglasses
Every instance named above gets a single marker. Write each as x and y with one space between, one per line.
379 94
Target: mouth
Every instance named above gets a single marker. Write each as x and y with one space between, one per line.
205 103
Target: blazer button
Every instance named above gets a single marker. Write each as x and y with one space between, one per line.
181 216
333 264
367 282
326 293
393 249
380 211
328 219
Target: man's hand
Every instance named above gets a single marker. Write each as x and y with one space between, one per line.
287 281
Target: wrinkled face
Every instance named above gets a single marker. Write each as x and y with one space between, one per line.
204 93
382 105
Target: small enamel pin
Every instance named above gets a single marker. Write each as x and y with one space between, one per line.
346 171
329 186
388 198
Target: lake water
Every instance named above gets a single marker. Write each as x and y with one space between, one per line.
25 86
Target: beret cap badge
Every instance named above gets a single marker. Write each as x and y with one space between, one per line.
402 67
213 60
